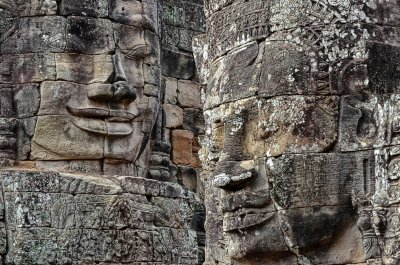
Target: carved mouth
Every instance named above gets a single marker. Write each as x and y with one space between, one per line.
247 209
99 113
236 201
103 121
245 218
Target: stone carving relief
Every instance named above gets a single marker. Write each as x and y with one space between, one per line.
300 155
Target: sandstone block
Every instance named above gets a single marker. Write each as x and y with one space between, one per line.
50 138
38 7
289 124
171 90
25 132
320 179
26 100
152 74
28 68
41 34
185 39
152 19
189 94
362 122
83 166
126 148
174 116
170 35
177 64
182 141
89 35
140 186
92 8
84 69
125 12
237 78
193 120
153 47
6 101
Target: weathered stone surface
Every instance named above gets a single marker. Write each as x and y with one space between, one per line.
82 134
49 139
84 69
200 54
89 35
28 68
126 12
182 151
300 153
69 217
174 116
171 90
37 7
26 100
41 34
189 94
177 64
97 8
193 120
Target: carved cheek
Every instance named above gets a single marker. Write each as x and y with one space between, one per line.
133 69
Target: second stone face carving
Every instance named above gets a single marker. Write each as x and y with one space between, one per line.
300 152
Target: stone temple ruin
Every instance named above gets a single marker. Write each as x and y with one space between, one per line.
215 132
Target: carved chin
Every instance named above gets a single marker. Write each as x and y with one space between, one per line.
264 239
63 138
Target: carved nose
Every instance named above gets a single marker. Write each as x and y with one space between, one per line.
119 91
234 175
122 90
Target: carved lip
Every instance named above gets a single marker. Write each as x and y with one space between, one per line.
103 121
103 127
246 209
245 218
246 200
100 113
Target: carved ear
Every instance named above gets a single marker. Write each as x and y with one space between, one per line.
200 52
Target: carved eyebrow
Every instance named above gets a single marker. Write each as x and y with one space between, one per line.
137 52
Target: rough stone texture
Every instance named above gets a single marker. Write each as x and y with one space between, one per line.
174 116
300 153
181 21
182 141
171 90
189 94
89 177
69 218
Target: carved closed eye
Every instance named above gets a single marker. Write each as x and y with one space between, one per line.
137 52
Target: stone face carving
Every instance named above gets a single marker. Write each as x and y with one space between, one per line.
80 96
300 152
92 63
